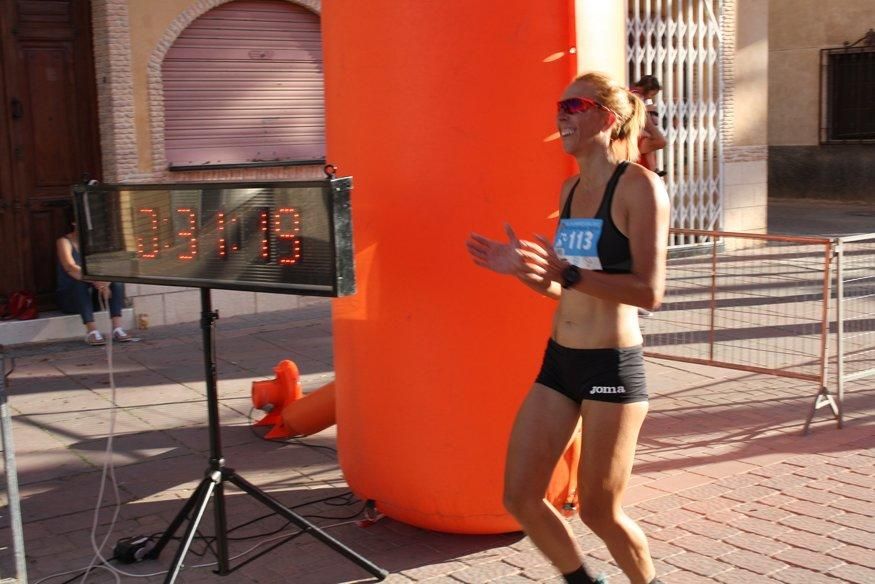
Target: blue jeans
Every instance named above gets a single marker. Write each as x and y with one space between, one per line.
82 298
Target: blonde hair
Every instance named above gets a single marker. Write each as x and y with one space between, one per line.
629 113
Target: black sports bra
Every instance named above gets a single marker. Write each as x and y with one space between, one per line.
613 246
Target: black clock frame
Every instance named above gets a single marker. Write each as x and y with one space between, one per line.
98 214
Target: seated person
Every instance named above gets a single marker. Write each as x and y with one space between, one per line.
75 295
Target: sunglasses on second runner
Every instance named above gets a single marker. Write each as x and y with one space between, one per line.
573 105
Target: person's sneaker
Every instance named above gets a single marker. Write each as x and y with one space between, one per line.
120 336
95 339
644 313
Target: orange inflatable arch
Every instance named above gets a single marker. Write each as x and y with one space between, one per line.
443 113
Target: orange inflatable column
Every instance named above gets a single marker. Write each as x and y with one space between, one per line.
444 114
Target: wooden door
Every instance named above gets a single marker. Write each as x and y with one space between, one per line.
50 133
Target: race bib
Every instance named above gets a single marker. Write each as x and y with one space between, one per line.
577 240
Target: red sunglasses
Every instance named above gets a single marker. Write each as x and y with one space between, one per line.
573 105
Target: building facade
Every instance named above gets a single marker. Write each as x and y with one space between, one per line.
153 107
821 111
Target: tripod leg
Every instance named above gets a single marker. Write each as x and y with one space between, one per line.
210 483
168 534
287 513
221 529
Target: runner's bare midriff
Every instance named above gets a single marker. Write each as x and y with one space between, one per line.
586 322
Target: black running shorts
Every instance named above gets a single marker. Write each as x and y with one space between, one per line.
608 375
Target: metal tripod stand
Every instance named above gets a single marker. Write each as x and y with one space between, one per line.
217 474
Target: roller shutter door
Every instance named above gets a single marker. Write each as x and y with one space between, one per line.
243 84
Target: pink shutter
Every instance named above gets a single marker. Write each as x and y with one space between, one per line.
243 84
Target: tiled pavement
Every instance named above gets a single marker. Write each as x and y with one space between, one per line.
726 487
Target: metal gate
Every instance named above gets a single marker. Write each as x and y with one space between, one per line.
680 42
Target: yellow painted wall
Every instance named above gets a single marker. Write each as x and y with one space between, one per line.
149 20
798 29
745 196
751 73
600 27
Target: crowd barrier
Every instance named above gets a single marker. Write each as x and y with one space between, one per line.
789 306
854 359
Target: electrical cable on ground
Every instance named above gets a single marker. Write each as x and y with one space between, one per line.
99 562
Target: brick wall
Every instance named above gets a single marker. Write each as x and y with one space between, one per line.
115 92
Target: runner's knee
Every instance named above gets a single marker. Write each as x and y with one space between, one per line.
520 501
600 514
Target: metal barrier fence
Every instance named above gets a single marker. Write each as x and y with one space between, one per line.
12 497
855 314
757 303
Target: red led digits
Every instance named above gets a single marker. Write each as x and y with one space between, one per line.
228 231
235 234
276 231
289 234
264 228
189 232
152 226
223 238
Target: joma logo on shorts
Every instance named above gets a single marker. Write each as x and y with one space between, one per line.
607 389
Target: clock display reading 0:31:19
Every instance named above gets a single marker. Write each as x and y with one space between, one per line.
270 235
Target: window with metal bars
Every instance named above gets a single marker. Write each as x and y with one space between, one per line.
848 107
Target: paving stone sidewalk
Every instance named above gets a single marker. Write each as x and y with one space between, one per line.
726 487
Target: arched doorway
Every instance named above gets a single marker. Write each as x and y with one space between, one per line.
243 85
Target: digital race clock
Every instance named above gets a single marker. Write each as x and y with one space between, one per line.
290 237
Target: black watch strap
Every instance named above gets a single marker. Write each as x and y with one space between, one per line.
570 276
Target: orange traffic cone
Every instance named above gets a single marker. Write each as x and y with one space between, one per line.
273 394
289 411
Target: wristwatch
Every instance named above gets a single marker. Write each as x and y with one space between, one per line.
570 276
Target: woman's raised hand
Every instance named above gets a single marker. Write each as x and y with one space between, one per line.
516 257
